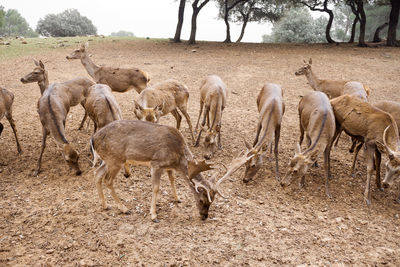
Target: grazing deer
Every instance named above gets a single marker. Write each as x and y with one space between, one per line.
318 122
161 99
76 87
377 129
6 101
213 98
331 88
160 147
271 108
119 79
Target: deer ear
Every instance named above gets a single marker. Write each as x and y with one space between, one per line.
137 105
310 61
159 107
41 64
36 62
248 146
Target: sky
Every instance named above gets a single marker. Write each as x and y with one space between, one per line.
145 18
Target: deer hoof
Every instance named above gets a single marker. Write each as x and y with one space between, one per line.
127 175
36 173
156 220
367 201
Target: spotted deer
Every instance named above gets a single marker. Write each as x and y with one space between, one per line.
76 87
379 132
317 122
271 108
161 99
6 101
119 79
160 147
213 95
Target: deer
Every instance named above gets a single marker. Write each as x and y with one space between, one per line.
161 99
271 108
379 132
332 88
213 95
119 79
317 122
160 147
6 101
76 87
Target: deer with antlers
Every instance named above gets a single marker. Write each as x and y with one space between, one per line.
161 99
213 95
271 108
119 79
317 122
160 147
332 88
76 87
377 129
6 101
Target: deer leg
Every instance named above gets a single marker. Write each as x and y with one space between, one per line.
301 134
171 176
99 175
83 121
12 124
39 163
219 132
127 170
205 115
155 180
370 150
353 165
327 167
276 152
111 173
338 136
378 159
178 118
189 122
198 119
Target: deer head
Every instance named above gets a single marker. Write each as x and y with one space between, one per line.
210 143
37 75
305 69
148 114
298 166
254 164
393 163
78 53
71 156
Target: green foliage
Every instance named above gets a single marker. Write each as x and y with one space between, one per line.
13 24
68 23
122 34
2 13
298 26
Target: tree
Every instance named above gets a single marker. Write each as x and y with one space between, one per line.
196 9
393 21
343 21
68 23
122 34
181 12
13 24
225 6
297 26
2 13
322 6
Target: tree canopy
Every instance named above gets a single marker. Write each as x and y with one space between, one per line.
68 23
13 24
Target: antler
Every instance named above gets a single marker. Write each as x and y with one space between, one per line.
389 150
198 184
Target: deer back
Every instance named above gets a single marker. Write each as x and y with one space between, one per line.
355 88
6 101
391 107
122 80
77 89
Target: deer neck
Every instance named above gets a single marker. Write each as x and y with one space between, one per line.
90 67
312 80
44 83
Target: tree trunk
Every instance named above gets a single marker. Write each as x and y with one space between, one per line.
181 12
228 29
377 39
393 21
245 20
192 39
329 26
353 30
363 22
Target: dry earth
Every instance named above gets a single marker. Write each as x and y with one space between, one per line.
55 219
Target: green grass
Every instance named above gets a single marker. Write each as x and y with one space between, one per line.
39 45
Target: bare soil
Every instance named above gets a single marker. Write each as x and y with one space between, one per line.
55 219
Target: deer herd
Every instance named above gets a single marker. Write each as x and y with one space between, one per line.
333 107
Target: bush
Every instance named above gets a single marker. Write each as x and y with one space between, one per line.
122 34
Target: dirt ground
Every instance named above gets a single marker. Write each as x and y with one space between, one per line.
55 219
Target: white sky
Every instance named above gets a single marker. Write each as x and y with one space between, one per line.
145 18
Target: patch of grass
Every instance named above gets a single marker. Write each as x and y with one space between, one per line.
40 45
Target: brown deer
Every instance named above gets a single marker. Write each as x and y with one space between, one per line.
271 108
161 99
377 129
330 87
160 147
317 121
213 95
76 87
6 101
119 79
